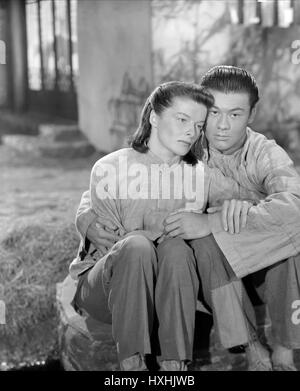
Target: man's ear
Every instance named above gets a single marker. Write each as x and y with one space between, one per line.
252 115
152 119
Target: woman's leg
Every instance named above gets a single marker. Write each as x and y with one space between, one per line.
175 300
121 287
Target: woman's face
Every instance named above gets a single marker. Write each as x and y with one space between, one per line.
177 127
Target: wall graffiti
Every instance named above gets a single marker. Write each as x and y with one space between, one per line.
126 108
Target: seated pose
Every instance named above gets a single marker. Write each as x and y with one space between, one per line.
270 241
147 284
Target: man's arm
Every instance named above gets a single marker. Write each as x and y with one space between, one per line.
85 215
272 232
91 228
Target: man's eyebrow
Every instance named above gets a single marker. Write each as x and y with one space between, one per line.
237 108
234 109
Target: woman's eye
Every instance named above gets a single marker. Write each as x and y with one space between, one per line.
181 119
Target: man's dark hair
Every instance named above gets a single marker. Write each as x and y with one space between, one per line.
161 99
226 78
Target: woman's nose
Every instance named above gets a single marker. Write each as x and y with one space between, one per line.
191 129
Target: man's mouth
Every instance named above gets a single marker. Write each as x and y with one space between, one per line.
221 137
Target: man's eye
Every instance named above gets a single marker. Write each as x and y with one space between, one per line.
234 115
181 119
213 112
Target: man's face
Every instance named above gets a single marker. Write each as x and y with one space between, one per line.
227 121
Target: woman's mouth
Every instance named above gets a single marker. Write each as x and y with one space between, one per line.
187 143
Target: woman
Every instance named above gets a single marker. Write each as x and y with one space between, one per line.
146 277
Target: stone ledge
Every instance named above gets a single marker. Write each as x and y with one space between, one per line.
85 344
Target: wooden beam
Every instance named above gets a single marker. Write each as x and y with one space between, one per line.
275 13
258 11
241 11
296 7
70 43
41 46
55 45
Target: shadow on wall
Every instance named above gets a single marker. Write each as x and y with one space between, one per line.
192 36
267 53
126 108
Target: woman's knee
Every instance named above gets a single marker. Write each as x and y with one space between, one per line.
174 252
137 242
137 248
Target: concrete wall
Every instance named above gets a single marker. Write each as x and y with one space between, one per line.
114 43
18 54
188 38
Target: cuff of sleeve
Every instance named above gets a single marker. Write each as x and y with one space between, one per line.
224 241
83 221
294 236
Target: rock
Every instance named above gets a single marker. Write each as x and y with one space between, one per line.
85 344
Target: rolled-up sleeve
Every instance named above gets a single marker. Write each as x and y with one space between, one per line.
84 216
272 232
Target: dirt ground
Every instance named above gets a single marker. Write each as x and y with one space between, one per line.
37 191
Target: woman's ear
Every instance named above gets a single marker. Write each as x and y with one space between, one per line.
252 115
153 119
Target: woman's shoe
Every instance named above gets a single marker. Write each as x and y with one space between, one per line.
134 363
173 365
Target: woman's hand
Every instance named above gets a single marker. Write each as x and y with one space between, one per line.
103 237
233 213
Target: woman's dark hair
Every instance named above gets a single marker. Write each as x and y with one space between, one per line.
161 99
227 78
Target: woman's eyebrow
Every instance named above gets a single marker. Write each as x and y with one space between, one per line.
186 115
181 113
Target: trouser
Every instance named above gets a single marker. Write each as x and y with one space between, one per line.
279 287
137 283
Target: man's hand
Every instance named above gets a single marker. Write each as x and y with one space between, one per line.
102 237
233 213
187 225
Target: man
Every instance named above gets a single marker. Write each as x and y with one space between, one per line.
271 238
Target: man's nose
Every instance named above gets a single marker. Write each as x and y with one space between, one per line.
223 122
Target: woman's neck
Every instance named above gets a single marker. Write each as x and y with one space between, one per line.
161 152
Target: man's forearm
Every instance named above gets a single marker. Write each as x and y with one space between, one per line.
85 215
